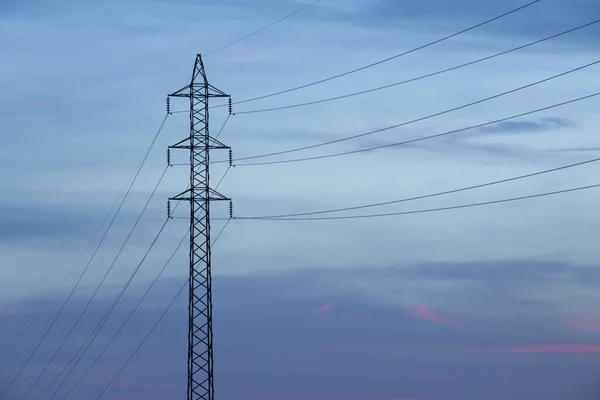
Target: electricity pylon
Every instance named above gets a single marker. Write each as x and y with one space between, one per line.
200 385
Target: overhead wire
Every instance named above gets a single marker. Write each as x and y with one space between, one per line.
78 320
423 138
311 85
125 322
436 194
287 16
70 272
515 10
223 126
263 28
84 348
428 210
346 138
456 67
61 310
106 387
419 139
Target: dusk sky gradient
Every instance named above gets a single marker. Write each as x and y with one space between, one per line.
497 302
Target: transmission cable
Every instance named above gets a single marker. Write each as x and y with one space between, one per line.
223 126
45 335
506 200
419 77
45 306
87 371
387 59
157 322
249 35
497 182
420 119
364 150
263 28
83 349
97 288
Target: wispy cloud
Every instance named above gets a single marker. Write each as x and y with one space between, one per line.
588 324
582 149
327 308
353 397
424 313
544 349
528 126
16 383
146 386
9 310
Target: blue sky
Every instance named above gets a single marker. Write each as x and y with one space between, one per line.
83 89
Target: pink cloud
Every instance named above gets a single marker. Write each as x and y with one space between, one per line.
327 308
544 349
422 312
7 310
16 383
583 323
353 397
146 386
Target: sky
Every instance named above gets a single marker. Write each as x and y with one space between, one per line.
487 302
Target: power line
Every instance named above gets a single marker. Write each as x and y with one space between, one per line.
420 119
185 284
223 177
120 328
424 137
511 199
497 182
43 309
223 126
249 35
386 59
419 77
97 288
109 312
343 153
122 325
263 28
84 348
45 335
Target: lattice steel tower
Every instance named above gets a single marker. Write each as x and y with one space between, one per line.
200 385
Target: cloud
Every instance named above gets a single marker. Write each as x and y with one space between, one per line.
583 323
274 350
580 349
327 308
89 131
518 269
9 310
439 15
583 149
422 312
350 397
544 125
